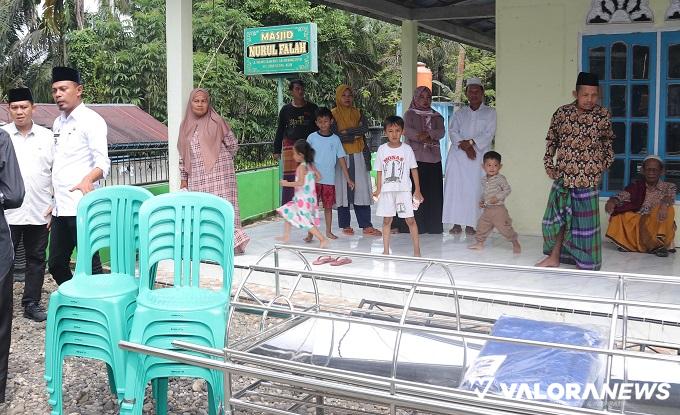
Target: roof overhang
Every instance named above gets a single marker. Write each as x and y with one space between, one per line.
470 22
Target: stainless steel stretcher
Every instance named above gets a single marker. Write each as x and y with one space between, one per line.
358 342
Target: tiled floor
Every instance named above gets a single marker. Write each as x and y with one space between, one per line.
497 251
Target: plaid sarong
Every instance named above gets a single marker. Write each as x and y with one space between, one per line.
577 211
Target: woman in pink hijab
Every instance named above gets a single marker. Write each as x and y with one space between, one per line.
423 128
207 147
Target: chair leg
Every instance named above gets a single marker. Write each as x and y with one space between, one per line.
154 389
161 395
50 343
112 380
212 410
55 387
133 401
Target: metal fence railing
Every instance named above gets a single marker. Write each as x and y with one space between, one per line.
252 156
147 163
138 163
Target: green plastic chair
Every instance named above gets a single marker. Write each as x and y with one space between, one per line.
107 218
187 228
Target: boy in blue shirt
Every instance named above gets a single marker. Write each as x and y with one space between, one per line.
328 151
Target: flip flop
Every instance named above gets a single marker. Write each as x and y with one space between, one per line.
341 261
348 231
324 259
371 231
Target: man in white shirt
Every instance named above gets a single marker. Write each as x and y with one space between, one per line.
80 161
471 131
33 146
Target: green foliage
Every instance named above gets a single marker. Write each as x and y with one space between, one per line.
17 51
482 64
123 61
122 57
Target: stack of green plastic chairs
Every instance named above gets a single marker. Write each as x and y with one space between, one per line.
186 228
88 315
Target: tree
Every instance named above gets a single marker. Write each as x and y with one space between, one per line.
123 61
17 51
120 51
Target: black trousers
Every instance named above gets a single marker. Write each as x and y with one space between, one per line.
6 285
429 214
35 244
63 237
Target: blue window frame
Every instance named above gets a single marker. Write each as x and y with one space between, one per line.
669 105
627 67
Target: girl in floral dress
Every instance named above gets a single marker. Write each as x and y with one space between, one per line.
303 211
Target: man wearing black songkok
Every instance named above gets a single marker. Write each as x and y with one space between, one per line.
578 151
34 148
80 161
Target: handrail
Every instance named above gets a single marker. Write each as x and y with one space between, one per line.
453 402
470 288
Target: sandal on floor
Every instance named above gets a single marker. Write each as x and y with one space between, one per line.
341 261
348 231
371 231
324 259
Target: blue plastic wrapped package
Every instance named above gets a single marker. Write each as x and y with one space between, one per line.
538 373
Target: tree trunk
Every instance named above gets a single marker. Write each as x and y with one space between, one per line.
458 93
80 14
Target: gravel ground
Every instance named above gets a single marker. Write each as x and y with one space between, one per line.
85 386
85 381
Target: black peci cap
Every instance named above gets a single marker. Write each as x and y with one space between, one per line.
19 94
62 73
587 78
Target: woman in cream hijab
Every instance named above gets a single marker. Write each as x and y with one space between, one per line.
350 125
207 147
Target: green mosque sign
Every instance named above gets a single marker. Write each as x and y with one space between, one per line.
280 49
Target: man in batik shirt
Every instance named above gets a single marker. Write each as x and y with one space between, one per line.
578 151
643 218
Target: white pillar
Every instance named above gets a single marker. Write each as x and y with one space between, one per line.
409 61
179 47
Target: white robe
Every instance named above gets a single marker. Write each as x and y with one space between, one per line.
463 180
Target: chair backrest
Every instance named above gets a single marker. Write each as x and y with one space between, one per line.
187 228
108 217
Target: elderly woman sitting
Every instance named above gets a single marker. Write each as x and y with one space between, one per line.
643 219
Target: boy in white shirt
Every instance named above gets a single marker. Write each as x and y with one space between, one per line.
395 161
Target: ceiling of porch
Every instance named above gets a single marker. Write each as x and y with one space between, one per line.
471 22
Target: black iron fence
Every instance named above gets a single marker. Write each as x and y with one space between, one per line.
138 163
147 163
252 156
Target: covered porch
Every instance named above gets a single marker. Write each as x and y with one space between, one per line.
540 47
